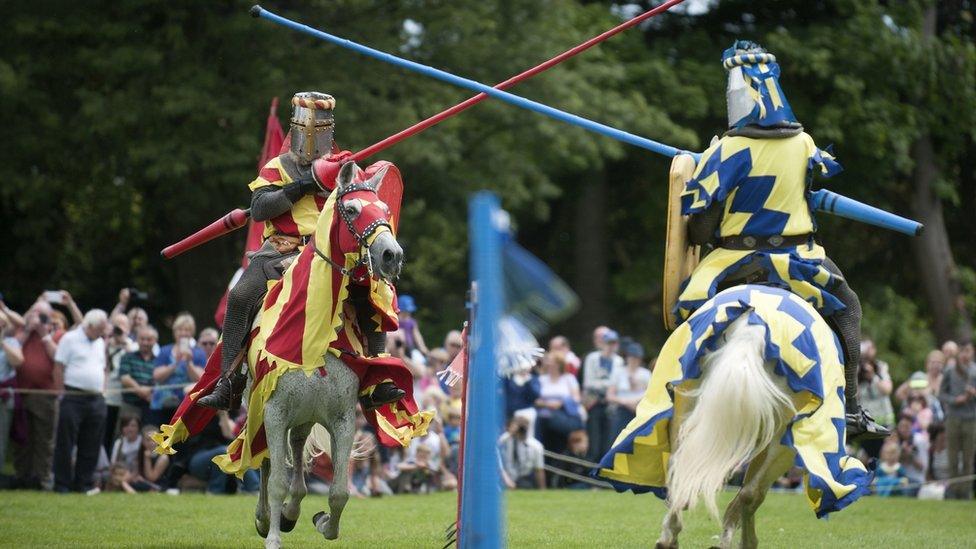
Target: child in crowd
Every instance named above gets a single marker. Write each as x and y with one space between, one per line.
127 448
890 476
409 326
152 466
118 480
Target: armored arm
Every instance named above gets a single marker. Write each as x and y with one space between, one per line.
702 226
271 201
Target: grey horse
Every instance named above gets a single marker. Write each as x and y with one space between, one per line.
299 402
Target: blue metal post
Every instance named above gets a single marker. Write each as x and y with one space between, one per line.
482 505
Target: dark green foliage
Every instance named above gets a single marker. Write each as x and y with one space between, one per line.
128 125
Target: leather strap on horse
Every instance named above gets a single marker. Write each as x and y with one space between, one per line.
748 242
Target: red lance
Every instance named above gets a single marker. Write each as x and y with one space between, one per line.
238 217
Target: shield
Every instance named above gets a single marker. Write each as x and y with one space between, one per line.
680 257
390 189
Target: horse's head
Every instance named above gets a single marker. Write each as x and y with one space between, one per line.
366 221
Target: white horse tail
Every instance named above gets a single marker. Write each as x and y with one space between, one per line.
739 410
319 442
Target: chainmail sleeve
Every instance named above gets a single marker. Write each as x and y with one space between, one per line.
271 201
702 226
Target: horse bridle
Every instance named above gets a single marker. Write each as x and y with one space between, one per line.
365 258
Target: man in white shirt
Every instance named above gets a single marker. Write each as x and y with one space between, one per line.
522 457
79 367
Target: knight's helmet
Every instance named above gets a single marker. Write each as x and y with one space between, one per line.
754 96
312 125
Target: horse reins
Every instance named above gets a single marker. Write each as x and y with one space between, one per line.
365 259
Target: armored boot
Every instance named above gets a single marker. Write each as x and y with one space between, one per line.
383 393
227 393
847 325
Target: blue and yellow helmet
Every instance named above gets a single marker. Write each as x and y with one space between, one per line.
754 95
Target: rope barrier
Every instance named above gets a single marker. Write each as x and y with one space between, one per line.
570 459
574 476
11 390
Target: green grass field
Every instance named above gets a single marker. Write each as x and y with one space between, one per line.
536 519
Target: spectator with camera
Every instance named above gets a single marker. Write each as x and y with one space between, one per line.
522 456
180 363
117 345
33 459
958 396
874 393
80 365
11 358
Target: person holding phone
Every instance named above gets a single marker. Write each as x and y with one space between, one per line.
33 459
179 363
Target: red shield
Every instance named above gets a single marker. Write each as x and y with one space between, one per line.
390 189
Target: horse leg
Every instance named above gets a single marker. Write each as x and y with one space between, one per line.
670 530
733 513
277 433
342 432
261 514
672 520
298 490
778 460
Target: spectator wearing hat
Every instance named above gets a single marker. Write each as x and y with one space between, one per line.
80 366
596 380
958 396
409 326
627 387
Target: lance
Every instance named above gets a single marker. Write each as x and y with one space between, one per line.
220 227
822 200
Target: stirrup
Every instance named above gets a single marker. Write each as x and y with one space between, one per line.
862 426
374 400
221 396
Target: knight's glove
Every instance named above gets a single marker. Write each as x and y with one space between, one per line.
299 188
326 169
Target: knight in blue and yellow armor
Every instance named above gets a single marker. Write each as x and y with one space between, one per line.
748 202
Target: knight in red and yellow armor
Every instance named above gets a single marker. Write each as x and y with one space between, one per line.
288 197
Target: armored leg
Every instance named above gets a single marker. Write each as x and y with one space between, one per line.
242 303
847 325
382 393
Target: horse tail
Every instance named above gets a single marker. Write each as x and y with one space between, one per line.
738 412
319 442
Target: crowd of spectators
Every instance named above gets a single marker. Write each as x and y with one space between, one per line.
82 394
92 388
932 416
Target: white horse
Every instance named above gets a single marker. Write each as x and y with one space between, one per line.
301 401
717 401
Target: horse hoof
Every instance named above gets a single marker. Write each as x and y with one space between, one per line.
262 528
660 545
286 524
318 517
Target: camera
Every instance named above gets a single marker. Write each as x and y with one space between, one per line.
116 331
138 295
44 318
